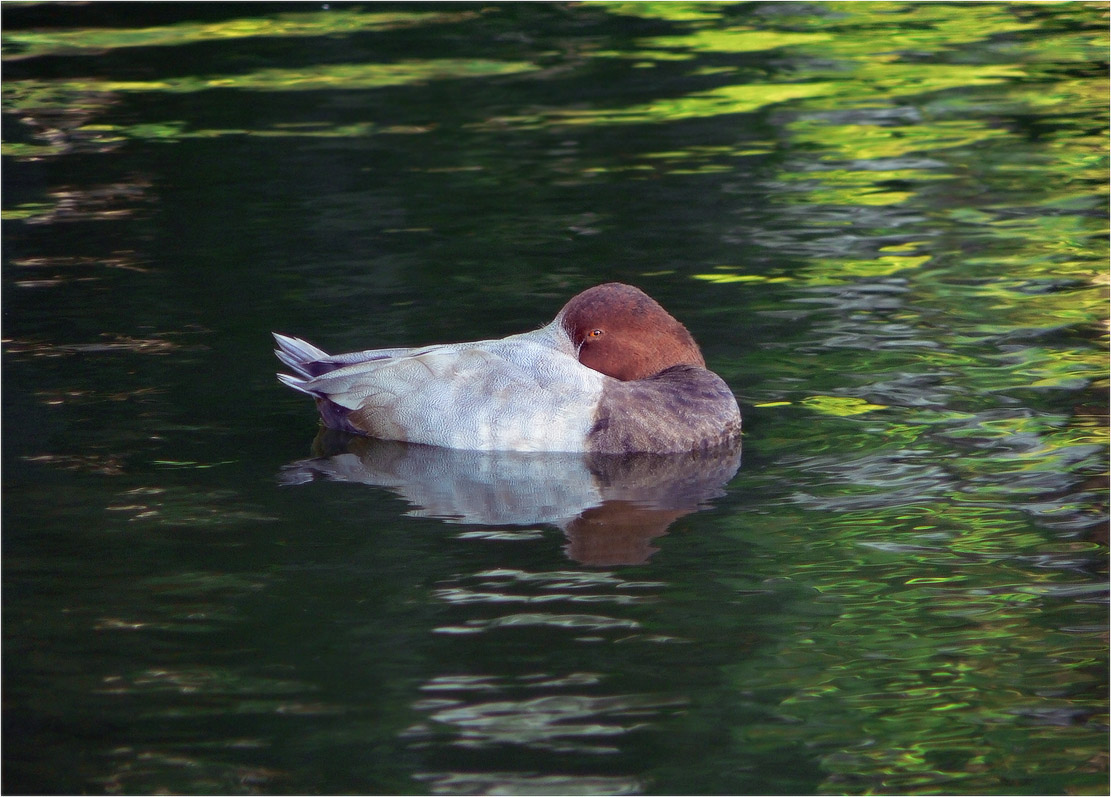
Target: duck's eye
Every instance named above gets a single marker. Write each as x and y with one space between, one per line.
594 333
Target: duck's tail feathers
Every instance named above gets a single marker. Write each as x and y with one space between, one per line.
297 355
296 383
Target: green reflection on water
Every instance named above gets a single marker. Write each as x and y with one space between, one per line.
927 655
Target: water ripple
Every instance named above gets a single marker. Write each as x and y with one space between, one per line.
563 723
510 783
592 622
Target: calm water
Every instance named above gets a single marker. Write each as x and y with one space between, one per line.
886 223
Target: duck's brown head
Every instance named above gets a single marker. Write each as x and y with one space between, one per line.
622 332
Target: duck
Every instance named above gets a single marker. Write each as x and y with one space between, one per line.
612 373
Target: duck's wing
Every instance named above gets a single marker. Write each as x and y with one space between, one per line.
482 395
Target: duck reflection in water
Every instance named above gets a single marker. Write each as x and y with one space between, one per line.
609 506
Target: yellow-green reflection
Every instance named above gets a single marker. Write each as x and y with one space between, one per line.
729 40
38 94
679 11
866 72
838 405
29 44
823 271
874 142
742 98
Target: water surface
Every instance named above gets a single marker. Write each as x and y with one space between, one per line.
885 223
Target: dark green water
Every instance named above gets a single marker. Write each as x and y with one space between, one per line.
886 224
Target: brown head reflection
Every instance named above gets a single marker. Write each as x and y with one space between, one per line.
618 533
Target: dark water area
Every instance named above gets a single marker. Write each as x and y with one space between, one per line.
886 225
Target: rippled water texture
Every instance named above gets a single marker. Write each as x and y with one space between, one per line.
886 223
